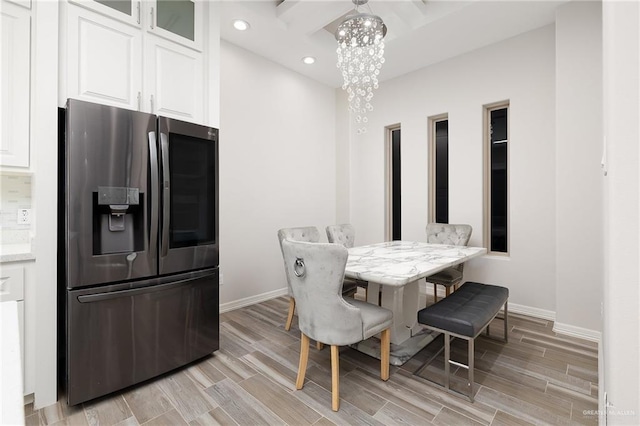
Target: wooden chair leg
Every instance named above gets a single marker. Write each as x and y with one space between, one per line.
435 293
304 356
385 343
319 346
335 378
447 290
292 308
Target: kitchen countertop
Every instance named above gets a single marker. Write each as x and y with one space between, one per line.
16 253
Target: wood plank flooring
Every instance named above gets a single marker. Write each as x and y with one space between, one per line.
539 377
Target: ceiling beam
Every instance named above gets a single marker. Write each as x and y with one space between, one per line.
309 16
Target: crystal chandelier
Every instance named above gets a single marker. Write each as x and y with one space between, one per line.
360 58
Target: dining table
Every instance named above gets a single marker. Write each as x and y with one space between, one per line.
395 269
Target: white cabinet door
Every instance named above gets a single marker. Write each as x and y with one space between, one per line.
179 21
114 63
15 56
127 11
104 59
23 3
12 283
174 80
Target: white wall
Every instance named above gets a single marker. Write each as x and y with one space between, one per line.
520 70
212 73
277 167
343 160
44 136
621 331
579 185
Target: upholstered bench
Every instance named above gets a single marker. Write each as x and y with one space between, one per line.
464 314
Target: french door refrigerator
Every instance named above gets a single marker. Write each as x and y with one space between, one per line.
138 247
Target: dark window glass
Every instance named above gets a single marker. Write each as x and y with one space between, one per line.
123 6
442 171
192 203
395 176
499 143
177 16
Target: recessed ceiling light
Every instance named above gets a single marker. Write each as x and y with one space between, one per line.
308 60
241 25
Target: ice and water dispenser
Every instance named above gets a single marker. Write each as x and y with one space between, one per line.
118 222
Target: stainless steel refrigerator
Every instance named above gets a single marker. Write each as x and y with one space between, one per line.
138 247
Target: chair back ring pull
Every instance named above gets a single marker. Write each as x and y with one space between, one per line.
298 267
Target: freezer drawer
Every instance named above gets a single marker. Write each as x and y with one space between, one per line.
118 338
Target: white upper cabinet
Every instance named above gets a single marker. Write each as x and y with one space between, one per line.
144 56
177 20
104 62
23 3
176 84
127 11
15 30
180 21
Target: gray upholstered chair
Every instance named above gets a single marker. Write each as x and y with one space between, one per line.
315 273
345 235
454 235
309 234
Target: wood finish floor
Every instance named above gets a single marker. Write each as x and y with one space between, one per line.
537 378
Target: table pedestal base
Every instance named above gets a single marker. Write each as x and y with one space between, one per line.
400 353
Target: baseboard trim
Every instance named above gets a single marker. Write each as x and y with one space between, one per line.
532 312
28 399
252 300
566 329
579 332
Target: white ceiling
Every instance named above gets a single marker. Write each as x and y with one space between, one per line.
420 32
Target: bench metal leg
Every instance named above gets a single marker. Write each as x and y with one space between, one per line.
471 367
506 322
447 359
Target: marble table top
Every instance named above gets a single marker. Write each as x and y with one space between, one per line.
396 263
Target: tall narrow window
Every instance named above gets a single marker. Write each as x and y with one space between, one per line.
393 183
497 177
439 176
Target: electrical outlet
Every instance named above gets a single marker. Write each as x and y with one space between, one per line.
220 281
24 216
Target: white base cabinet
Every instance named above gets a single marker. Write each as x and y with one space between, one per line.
16 284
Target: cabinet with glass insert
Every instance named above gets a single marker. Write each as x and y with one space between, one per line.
142 55
177 20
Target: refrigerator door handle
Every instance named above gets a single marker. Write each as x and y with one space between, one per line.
98 297
153 160
166 187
